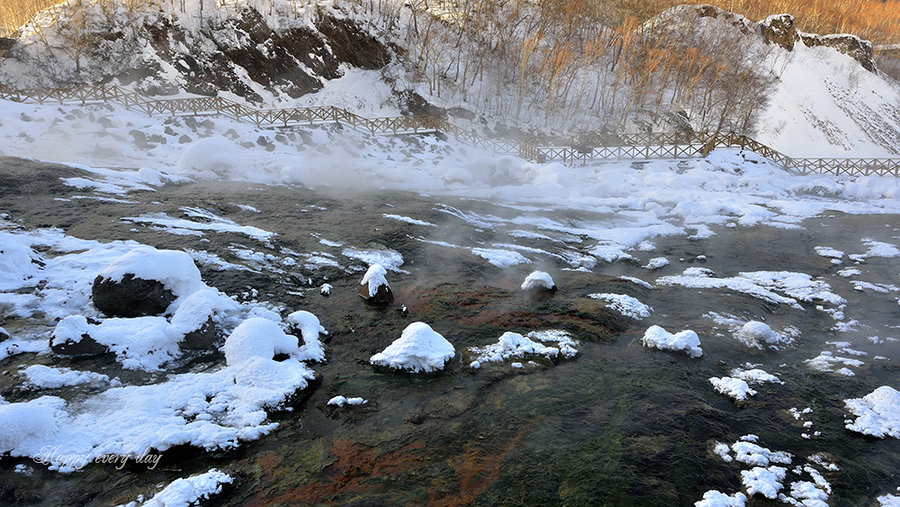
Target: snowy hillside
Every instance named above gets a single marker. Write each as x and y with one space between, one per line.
799 93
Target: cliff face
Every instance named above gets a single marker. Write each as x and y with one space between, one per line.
159 54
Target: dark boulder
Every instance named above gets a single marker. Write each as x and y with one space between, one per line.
130 297
383 295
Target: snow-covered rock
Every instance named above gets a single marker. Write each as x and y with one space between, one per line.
687 341
189 491
374 287
145 281
419 350
510 345
539 281
877 413
46 377
734 388
310 329
340 401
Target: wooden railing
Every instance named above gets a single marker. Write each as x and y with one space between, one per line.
620 147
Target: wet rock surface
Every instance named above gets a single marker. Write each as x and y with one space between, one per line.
603 428
130 296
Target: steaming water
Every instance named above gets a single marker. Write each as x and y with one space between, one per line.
620 424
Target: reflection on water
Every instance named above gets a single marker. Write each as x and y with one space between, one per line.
620 424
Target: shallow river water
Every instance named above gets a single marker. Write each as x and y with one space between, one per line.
619 424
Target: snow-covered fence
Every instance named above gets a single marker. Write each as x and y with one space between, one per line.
621 147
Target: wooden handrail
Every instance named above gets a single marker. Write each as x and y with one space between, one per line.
622 146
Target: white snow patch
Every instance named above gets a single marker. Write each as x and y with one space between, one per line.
626 305
46 377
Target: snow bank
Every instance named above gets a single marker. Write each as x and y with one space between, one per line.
419 349
538 280
659 338
626 305
20 422
214 410
877 413
18 263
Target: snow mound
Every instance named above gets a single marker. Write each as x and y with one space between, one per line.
510 345
626 305
877 413
174 269
257 338
757 334
419 349
659 338
765 481
538 280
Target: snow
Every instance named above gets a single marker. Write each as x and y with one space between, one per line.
827 362
45 377
508 346
687 341
206 221
538 280
626 305
734 388
340 401
780 287
876 249
18 263
877 413
419 349
375 278
20 422
310 329
188 491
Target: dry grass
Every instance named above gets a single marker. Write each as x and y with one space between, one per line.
14 13
877 20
